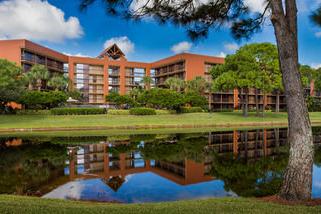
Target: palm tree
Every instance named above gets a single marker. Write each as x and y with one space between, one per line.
147 81
58 82
36 75
175 84
198 85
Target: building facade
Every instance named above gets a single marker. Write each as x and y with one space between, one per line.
110 71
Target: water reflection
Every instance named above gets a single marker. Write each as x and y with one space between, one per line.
144 168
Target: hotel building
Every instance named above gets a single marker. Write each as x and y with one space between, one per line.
110 71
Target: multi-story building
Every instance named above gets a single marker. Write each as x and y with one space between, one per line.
110 71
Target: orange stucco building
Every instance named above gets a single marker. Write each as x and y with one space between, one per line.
111 71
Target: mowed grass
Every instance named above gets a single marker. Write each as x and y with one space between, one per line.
26 205
130 121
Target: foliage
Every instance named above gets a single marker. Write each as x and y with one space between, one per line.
175 84
161 99
194 99
77 111
142 111
198 85
191 109
117 112
314 104
35 77
42 99
120 100
11 83
75 94
58 82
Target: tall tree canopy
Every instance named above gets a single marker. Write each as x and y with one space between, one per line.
200 16
11 82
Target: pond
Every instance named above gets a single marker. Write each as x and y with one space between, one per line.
149 167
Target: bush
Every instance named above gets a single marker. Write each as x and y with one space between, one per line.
162 112
142 111
313 103
33 112
117 112
120 100
77 111
37 100
191 109
161 99
196 100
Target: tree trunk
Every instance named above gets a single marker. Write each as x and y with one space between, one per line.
209 101
277 103
257 106
297 182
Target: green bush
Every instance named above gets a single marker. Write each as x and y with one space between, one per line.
117 112
37 100
191 109
33 112
77 111
313 103
120 100
142 111
196 100
162 112
161 99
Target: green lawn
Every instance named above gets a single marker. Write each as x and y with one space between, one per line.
25 205
154 121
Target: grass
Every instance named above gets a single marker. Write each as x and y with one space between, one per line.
19 204
227 119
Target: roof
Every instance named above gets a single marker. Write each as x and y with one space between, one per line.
113 52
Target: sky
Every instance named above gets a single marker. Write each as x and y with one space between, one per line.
60 25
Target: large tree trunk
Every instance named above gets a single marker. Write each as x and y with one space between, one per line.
297 183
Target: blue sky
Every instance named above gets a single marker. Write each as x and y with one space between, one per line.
84 33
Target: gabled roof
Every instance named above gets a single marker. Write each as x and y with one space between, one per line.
113 52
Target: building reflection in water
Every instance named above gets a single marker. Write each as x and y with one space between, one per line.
99 160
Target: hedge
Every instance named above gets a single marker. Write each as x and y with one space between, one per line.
142 111
191 109
117 112
162 112
77 111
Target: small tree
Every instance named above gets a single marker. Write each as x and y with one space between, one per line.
35 77
147 81
58 82
239 71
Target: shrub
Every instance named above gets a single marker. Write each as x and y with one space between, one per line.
313 103
120 100
196 100
161 99
42 99
191 109
117 112
77 111
162 112
142 111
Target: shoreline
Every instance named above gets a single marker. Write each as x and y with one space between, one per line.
151 127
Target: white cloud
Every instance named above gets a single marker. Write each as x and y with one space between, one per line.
256 5
181 47
318 34
231 47
316 65
78 54
222 54
122 42
36 20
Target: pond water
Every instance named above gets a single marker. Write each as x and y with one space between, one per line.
149 167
